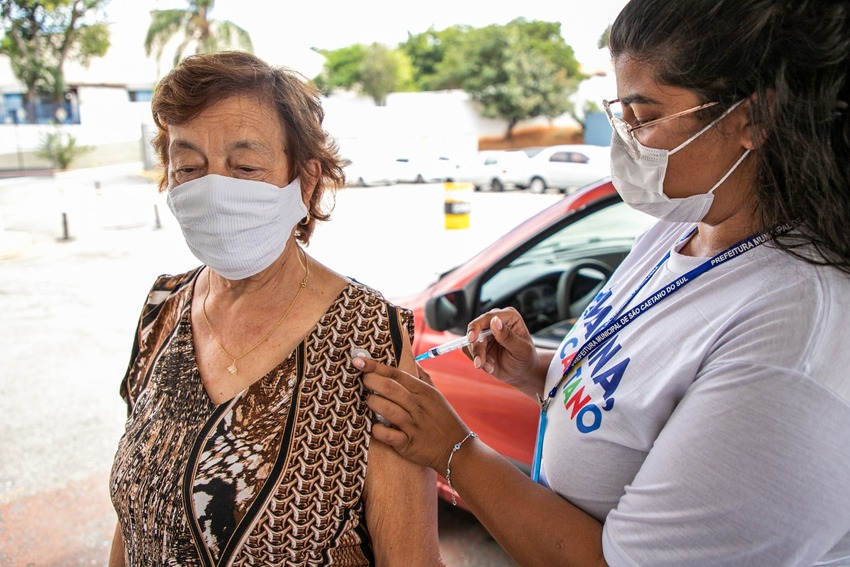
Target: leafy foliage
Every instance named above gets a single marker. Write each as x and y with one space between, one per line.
194 27
602 42
39 37
516 71
435 55
374 70
61 148
384 71
342 68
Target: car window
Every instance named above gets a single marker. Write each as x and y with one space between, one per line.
552 281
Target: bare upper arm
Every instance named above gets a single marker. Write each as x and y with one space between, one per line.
401 501
116 552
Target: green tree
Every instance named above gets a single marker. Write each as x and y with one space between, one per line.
384 71
428 51
341 68
196 27
602 42
517 71
375 70
39 37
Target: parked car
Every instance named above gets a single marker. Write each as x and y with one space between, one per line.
424 169
493 170
369 171
565 167
549 268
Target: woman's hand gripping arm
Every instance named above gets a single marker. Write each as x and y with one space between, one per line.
532 523
401 501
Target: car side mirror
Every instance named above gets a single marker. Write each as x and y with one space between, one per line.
447 311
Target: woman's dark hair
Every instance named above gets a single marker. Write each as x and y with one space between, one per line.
200 81
791 57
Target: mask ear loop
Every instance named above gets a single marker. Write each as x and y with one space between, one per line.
705 129
728 173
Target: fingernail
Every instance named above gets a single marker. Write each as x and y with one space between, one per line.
358 362
497 323
469 336
476 362
488 368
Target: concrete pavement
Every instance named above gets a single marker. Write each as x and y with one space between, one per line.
77 256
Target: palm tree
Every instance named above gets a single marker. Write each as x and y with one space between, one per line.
196 27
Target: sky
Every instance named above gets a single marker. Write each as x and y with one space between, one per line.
283 33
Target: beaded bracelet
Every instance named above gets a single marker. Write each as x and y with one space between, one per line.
455 449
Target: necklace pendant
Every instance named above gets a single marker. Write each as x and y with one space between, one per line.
232 368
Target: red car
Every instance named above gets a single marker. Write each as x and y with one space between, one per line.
548 268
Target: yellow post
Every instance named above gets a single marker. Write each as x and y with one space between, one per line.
457 206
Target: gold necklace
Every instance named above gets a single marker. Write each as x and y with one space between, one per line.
232 368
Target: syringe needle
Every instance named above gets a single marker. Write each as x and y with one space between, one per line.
452 345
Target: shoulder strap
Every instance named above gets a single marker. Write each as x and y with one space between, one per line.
395 332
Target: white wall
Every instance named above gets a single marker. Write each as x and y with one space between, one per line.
432 123
106 117
444 123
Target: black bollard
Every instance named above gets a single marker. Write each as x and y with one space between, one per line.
157 223
65 233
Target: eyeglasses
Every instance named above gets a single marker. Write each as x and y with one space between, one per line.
627 132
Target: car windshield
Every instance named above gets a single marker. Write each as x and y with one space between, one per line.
615 223
605 235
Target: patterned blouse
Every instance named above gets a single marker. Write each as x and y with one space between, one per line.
273 476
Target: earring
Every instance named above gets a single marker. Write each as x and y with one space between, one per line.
306 220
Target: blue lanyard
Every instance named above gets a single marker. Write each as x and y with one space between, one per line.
620 320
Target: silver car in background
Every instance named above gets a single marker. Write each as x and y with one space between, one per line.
494 170
564 167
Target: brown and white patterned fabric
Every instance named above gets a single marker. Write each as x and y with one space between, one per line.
274 476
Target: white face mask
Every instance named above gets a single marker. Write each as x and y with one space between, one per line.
237 227
640 181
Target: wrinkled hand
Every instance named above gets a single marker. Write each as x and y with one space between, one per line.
510 355
424 424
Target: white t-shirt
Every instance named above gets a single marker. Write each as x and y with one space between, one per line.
715 428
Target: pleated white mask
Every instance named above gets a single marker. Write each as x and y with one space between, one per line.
237 227
640 181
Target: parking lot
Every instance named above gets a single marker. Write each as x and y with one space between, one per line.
78 255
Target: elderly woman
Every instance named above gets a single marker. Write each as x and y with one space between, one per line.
248 439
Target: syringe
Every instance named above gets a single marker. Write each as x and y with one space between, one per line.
452 345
